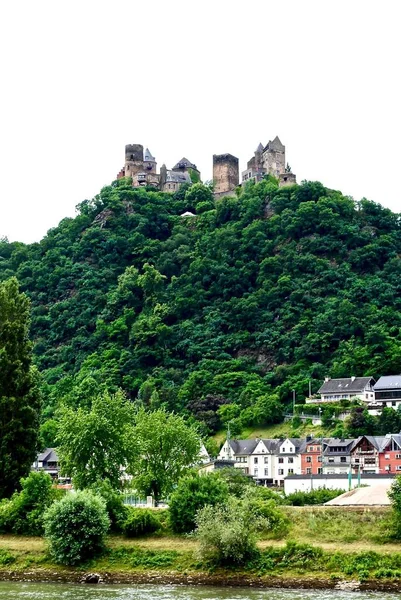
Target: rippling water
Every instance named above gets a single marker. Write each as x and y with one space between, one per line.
48 591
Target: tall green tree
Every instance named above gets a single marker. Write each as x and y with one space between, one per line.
94 443
19 391
165 447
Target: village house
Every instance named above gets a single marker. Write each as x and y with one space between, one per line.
349 388
47 461
365 454
288 459
390 456
311 456
387 391
337 456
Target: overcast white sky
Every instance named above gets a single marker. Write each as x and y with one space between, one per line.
82 78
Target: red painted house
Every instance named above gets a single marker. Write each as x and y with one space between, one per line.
311 456
390 456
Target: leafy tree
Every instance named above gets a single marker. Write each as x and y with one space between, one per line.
19 392
164 448
192 493
76 528
94 445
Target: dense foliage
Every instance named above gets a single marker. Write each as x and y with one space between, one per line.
219 316
19 392
193 493
140 521
94 443
23 513
76 527
164 447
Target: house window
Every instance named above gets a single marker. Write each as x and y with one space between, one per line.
343 459
398 468
266 459
281 471
387 456
308 459
255 460
266 472
331 460
309 471
319 459
255 472
290 461
281 460
398 456
319 471
290 471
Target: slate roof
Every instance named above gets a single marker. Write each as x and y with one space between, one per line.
148 156
272 445
346 385
243 446
48 455
184 162
344 447
178 177
388 382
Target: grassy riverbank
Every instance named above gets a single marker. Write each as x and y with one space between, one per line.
321 548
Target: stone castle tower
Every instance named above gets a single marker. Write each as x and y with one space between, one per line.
225 174
268 160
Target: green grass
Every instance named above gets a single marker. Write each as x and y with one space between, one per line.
335 526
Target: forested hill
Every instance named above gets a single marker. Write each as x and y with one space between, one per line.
239 305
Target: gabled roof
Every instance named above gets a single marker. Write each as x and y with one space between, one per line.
275 145
148 156
388 382
346 385
184 163
48 455
344 446
270 445
243 446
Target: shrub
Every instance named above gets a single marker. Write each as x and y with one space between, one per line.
227 533
271 520
140 521
320 496
23 513
192 494
76 527
115 506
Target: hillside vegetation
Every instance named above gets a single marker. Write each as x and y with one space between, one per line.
221 315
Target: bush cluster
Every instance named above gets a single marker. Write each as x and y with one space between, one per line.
140 521
312 498
23 513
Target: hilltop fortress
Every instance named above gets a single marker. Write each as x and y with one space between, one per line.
141 166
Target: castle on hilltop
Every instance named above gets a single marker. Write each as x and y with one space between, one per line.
141 166
267 160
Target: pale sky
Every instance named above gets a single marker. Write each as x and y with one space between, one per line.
80 79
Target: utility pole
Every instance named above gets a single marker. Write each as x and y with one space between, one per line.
293 403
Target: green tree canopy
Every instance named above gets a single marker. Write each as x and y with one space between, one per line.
164 448
19 391
95 444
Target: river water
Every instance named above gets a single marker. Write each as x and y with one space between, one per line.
49 591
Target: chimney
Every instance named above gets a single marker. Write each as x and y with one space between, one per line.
352 378
326 379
